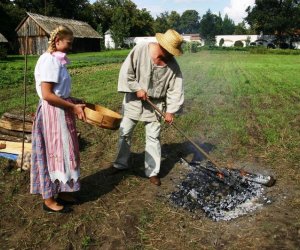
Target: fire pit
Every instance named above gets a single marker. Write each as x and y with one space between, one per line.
222 196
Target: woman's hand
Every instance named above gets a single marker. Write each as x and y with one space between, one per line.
142 94
169 118
78 110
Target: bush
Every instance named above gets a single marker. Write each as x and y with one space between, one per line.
263 50
191 47
221 42
284 46
271 46
238 44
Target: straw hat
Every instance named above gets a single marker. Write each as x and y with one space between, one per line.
170 41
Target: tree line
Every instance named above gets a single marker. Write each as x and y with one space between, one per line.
124 19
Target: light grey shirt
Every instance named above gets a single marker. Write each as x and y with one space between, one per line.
163 84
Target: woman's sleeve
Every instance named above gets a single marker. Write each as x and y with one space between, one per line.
49 69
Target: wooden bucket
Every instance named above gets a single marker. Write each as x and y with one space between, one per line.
102 117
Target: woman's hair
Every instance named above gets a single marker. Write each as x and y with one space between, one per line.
60 32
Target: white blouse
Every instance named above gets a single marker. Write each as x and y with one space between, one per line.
49 69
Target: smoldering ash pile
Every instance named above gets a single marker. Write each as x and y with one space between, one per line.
221 197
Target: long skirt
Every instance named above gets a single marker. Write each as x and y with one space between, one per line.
55 152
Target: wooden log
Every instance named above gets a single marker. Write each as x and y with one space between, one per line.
13 138
28 118
15 147
18 134
13 124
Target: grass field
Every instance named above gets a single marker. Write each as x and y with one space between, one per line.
246 106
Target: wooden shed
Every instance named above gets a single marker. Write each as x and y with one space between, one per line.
39 28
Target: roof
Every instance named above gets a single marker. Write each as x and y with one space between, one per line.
80 29
3 39
191 34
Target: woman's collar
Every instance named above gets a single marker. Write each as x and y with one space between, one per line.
61 56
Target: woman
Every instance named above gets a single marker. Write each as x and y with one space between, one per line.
55 150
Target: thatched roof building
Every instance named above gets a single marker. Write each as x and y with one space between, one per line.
3 39
39 28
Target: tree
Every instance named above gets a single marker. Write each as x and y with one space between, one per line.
103 13
141 23
73 9
167 21
219 24
209 27
35 6
123 18
10 16
280 17
228 26
161 23
174 20
189 22
120 26
241 29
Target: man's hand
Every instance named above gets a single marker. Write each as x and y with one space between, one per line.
169 118
141 94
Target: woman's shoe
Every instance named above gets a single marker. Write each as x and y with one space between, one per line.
67 203
64 210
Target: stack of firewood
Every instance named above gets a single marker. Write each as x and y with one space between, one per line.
11 137
11 127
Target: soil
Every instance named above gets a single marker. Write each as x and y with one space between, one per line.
125 211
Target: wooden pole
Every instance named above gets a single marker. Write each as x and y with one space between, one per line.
24 95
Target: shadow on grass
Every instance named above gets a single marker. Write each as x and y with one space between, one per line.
102 182
98 184
83 143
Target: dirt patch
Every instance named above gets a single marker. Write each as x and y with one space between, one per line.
125 211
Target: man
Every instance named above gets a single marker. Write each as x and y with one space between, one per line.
149 71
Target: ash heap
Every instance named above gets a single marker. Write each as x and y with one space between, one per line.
222 196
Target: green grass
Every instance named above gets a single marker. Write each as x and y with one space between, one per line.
244 99
12 68
12 75
236 100
246 105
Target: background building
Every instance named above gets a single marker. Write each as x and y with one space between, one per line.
38 29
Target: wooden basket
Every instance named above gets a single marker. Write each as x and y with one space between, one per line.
102 117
